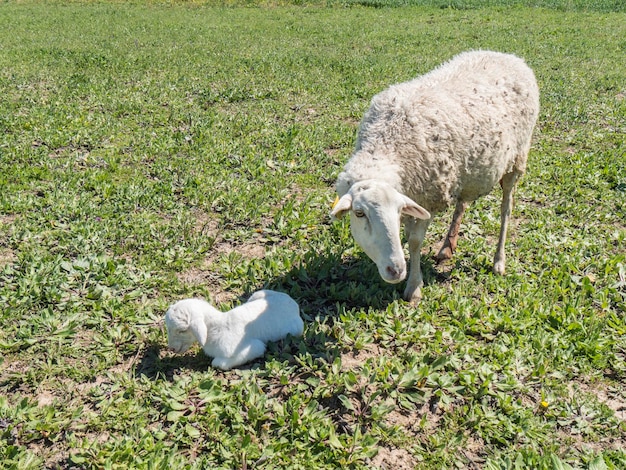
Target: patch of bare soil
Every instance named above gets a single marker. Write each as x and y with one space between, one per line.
53 454
7 257
615 399
253 248
8 219
407 420
247 250
612 397
203 275
85 387
474 452
11 367
351 360
394 459
205 223
417 423
45 398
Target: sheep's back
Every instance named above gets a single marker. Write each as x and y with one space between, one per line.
454 132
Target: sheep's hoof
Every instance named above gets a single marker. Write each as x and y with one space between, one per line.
444 254
498 268
413 296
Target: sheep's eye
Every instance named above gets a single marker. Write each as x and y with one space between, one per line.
359 213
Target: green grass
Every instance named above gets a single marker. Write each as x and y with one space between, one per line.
558 5
151 152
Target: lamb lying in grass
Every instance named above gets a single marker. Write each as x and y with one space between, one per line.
235 337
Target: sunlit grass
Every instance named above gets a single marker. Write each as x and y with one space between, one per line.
150 152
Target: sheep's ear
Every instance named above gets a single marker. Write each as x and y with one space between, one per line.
341 206
413 209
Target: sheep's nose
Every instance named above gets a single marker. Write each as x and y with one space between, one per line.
393 272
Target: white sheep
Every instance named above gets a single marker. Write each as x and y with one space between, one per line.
446 137
235 337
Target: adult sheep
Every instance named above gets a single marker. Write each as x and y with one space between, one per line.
446 137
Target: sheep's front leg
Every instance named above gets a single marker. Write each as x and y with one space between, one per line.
416 231
449 244
508 187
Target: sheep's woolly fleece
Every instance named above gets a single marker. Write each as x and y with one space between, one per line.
450 134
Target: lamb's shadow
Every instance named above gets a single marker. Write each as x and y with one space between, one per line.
155 365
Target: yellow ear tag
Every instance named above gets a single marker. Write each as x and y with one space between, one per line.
335 202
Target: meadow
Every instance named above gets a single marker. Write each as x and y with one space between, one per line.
152 151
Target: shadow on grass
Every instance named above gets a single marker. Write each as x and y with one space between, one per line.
320 283
154 367
323 286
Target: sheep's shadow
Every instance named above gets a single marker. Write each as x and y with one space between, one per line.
323 284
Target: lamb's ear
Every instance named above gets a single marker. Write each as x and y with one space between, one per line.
413 209
341 206
200 330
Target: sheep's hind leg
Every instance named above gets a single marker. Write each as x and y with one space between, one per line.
508 188
416 231
449 243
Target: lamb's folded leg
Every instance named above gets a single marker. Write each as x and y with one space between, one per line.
245 352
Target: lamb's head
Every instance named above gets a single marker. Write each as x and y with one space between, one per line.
185 325
376 209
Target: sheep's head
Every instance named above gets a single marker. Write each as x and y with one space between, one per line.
180 335
376 209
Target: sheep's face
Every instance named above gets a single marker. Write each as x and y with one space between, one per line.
179 336
376 210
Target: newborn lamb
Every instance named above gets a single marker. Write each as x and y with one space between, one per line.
235 337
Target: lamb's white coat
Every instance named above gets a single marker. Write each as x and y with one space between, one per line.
235 337
446 137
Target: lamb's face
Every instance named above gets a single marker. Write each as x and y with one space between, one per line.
376 210
179 337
